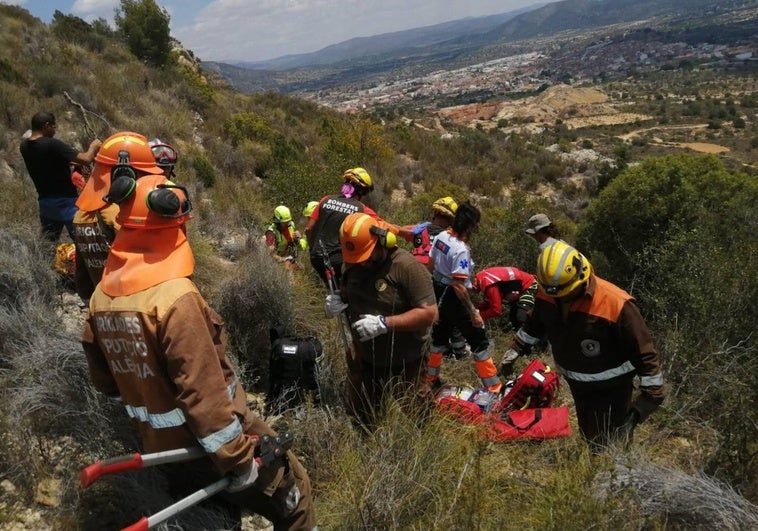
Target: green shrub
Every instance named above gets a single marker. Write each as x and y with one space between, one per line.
204 170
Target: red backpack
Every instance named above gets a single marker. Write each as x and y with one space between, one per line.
524 411
536 386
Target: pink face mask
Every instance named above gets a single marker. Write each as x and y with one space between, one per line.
347 190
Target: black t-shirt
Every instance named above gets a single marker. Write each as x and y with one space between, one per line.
331 213
48 161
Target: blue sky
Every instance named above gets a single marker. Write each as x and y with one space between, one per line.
253 30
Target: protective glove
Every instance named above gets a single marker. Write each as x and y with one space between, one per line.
626 430
334 305
244 480
418 229
645 404
370 326
506 365
303 243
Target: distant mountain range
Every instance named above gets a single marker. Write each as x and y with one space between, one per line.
453 44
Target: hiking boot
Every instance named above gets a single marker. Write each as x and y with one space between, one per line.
461 354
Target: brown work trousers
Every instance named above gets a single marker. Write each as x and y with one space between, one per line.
368 385
186 478
601 409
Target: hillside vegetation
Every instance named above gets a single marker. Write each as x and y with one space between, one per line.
677 230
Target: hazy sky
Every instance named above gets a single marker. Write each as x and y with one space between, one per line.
253 30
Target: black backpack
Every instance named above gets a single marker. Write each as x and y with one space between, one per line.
293 367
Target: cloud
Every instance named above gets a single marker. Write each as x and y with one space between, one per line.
245 30
92 9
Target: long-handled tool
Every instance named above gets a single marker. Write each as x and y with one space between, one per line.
351 358
269 450
122 463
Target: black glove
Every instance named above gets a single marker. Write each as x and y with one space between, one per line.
626 430
521 315
645 405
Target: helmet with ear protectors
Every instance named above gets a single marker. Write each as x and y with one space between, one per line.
360 233
135 145
150 202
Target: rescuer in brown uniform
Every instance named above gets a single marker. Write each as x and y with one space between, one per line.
600 342
152 341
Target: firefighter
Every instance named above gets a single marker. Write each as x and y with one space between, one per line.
324 222
389 301
506 283
154 344
600 342
451 266
95 224
284 242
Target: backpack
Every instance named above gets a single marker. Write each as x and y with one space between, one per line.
524 411
65 262
535 387
293 367
422 244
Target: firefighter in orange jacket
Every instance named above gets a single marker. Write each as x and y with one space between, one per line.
152 342
95 223
600 342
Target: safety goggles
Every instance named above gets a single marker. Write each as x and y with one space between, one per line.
164 154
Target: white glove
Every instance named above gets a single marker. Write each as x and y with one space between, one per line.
370 326
334 305
244 480
510 355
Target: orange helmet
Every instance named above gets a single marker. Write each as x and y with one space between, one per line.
359 234
91 197
140 155
150 202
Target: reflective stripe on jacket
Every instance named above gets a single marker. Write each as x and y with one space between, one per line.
600 338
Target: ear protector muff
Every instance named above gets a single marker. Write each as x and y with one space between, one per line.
161 201
166 203
386 238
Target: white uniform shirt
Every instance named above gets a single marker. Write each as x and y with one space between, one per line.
451 258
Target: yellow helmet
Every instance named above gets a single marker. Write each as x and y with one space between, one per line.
359 177
282 214
561 269
445 206
309 208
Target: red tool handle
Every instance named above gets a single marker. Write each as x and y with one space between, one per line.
140 525
114 465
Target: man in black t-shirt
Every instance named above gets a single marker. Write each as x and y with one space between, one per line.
48 161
